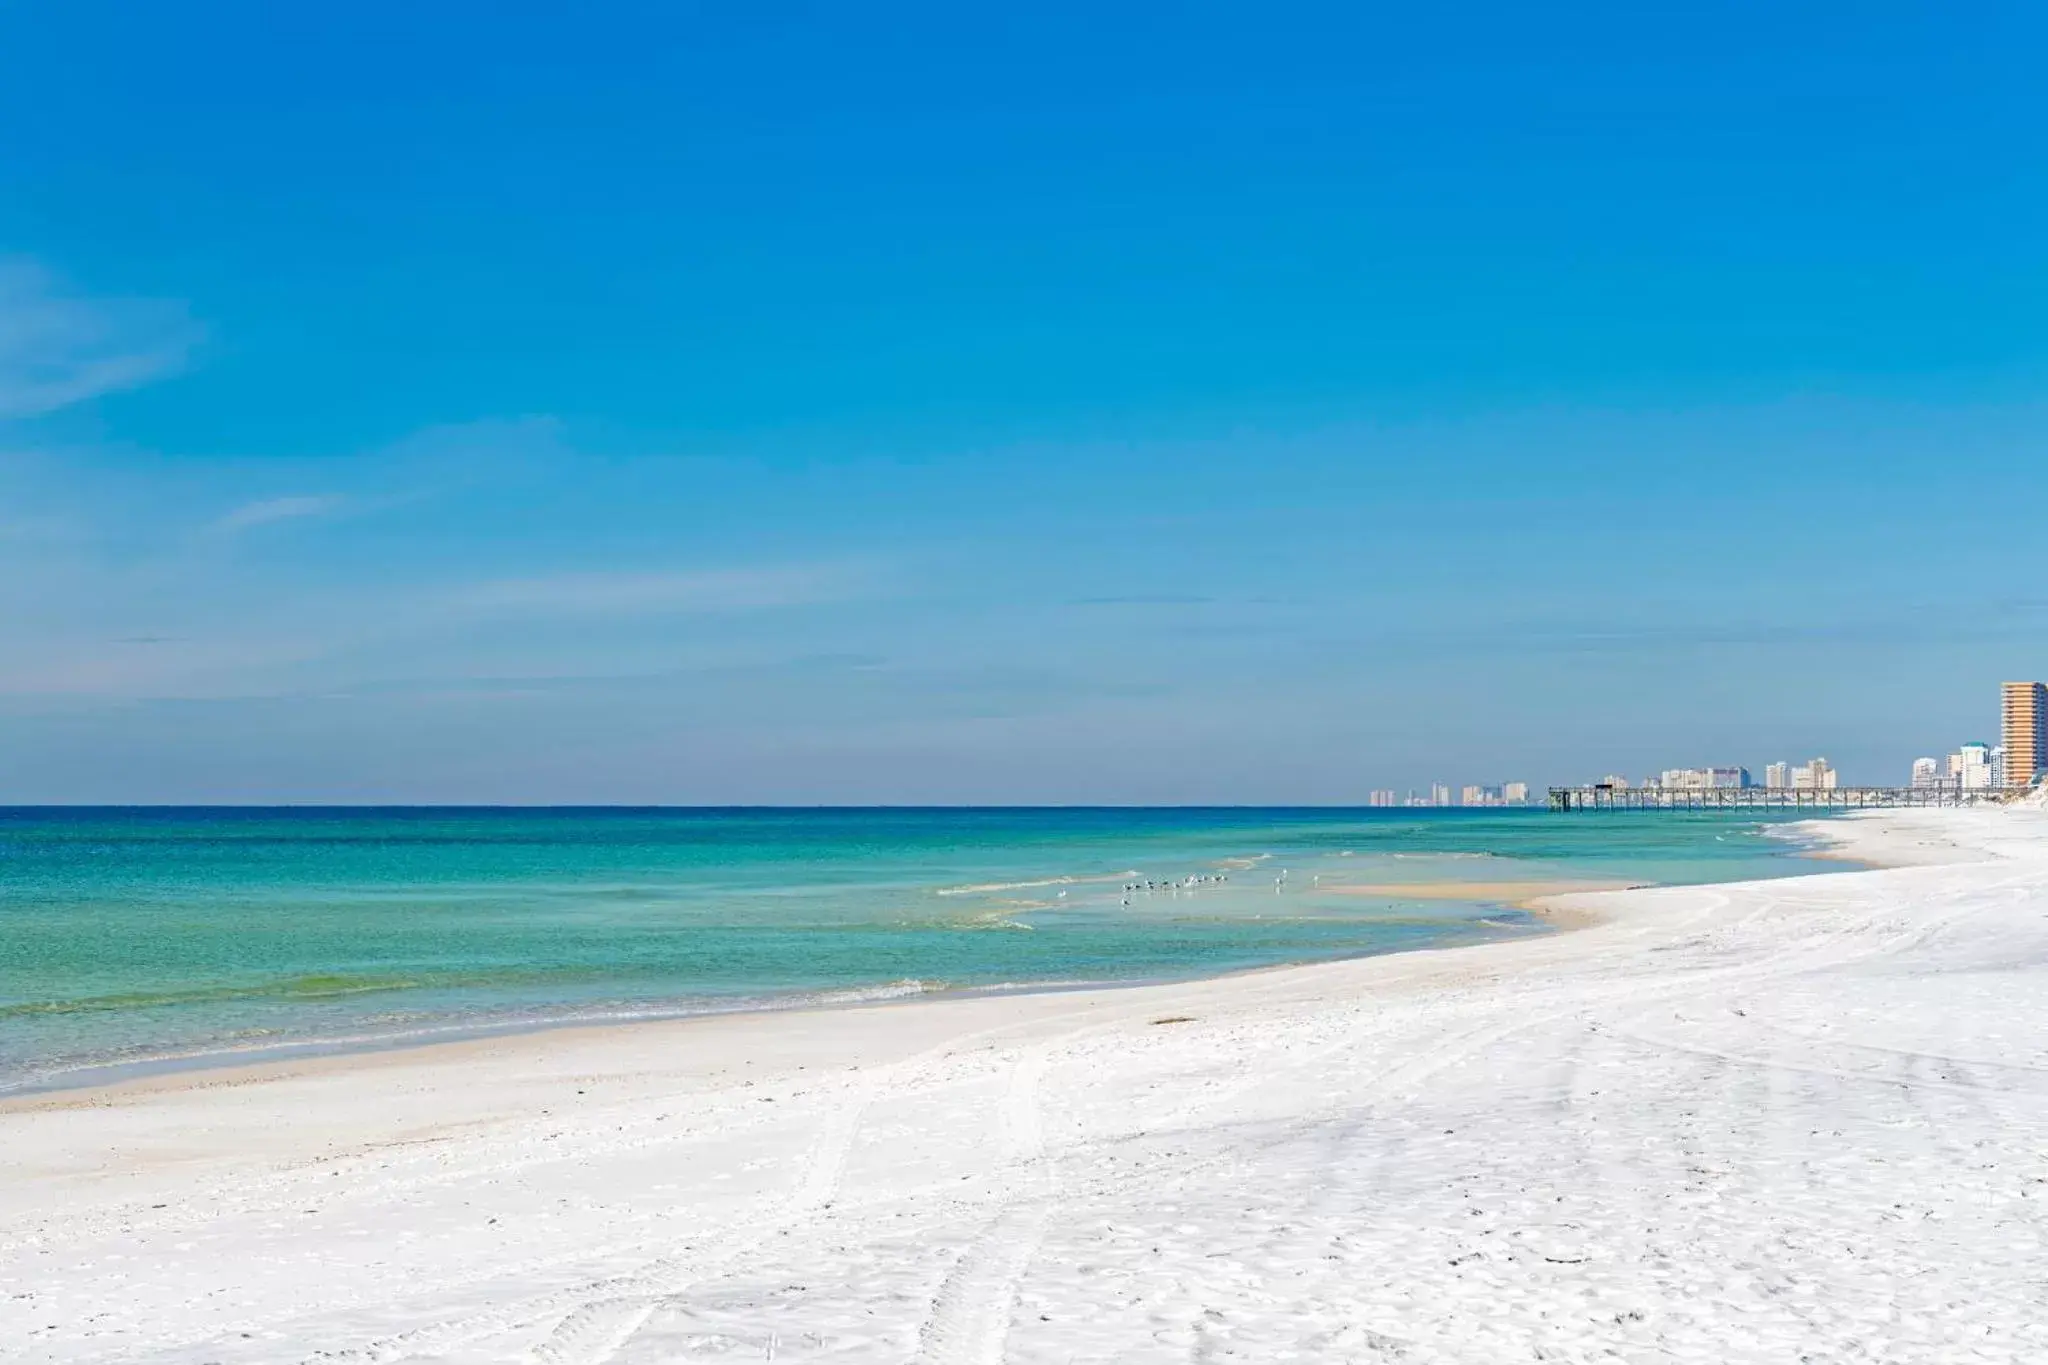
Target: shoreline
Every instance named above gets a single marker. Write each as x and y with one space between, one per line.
1838 1067
167 1073
1563 912
1556 907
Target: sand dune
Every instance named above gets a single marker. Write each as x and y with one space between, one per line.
1798 1119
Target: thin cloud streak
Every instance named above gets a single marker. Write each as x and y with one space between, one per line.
57 349
269 511
664 591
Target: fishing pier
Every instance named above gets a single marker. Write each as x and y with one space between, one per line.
1604 797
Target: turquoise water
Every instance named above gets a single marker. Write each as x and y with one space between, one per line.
156 936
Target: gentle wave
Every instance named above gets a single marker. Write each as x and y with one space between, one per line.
965 924
996 921
989 888
315 987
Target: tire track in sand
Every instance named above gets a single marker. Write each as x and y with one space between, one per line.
593 1321
597 1331
970 1317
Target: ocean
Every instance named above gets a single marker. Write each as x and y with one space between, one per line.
149 938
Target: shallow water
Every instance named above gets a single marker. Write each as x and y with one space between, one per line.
149 935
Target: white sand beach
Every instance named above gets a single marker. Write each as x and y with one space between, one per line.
1798 1120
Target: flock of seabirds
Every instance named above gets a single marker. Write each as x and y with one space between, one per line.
1188 883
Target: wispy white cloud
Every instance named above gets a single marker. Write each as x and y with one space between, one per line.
57 348
265 511
490 442
688 590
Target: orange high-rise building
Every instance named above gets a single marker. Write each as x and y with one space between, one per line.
2025 714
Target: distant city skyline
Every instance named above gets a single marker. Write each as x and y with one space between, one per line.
2022 713
1443 795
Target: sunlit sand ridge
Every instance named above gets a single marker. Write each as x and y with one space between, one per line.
1507 892
1769 1121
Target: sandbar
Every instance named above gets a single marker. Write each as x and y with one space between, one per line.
1509 893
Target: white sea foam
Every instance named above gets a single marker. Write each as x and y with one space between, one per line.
1446 857
989 888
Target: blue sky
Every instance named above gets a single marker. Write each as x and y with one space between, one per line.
1072 403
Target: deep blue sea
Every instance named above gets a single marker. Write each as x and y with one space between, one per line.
167 936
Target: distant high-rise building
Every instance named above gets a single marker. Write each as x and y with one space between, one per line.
1702 779
1614 780
1815 775
1779 775
1439 794
1971 767
1382 797
1926 772
1998 777
2024 713
1515 793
